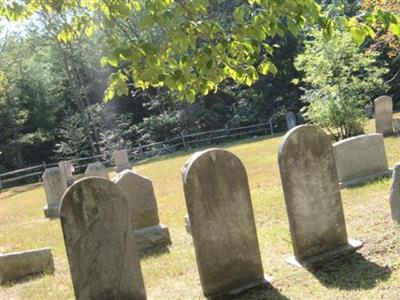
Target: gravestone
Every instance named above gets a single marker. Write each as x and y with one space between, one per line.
55 185
101 250
384 115
222 222
96 169
396 125
66 168
143 211
290 120
360 159
394 198
312 197
121 160
18 265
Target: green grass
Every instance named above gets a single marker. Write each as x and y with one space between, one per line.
372 274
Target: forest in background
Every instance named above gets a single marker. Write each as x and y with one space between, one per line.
51 92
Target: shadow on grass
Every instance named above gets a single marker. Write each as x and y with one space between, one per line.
19 190
351 272
258 293
153 253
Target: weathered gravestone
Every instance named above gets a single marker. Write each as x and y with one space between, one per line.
394 198
18 265
121 160
96 169
55 185
143 211
396 125
222 222
384 115
101 250
66 168
360 159
290 120
312 197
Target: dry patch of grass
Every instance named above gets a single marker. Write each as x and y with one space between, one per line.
374 273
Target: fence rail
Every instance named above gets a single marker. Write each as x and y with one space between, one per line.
181 142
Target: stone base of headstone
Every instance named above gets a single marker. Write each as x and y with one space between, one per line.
317 260
18 265
121 168
361 180
266 282
187 224
52 211
152 237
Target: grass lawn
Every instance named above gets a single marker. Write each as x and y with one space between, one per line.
372 273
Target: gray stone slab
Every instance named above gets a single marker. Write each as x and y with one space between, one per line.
319 259
101 249
121 160
360 158
383 115
394 198
152 237
96 170
312 194
222 222
18 265
365 179
55 185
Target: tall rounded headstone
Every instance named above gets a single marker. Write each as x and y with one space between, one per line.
384 115
66 168
222 222
312 196
101 250
394 198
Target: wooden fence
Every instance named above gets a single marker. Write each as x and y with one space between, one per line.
181 142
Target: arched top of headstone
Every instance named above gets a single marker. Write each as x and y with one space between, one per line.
212 154
131 176
304 136
382 99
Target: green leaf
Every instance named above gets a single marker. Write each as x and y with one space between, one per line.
358 35
266 66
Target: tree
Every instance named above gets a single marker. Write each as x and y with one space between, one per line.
184 45
339 81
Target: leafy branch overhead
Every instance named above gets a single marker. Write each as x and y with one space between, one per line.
185 45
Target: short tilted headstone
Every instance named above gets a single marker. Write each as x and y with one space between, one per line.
143 211
96 169
360 159
290 120
121 160
394 198
101 250
384 115
66 168
55 185
312 197
222 222
18 265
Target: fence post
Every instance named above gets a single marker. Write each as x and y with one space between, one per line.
183 141
271 126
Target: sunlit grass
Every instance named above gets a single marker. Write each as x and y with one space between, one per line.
174 275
